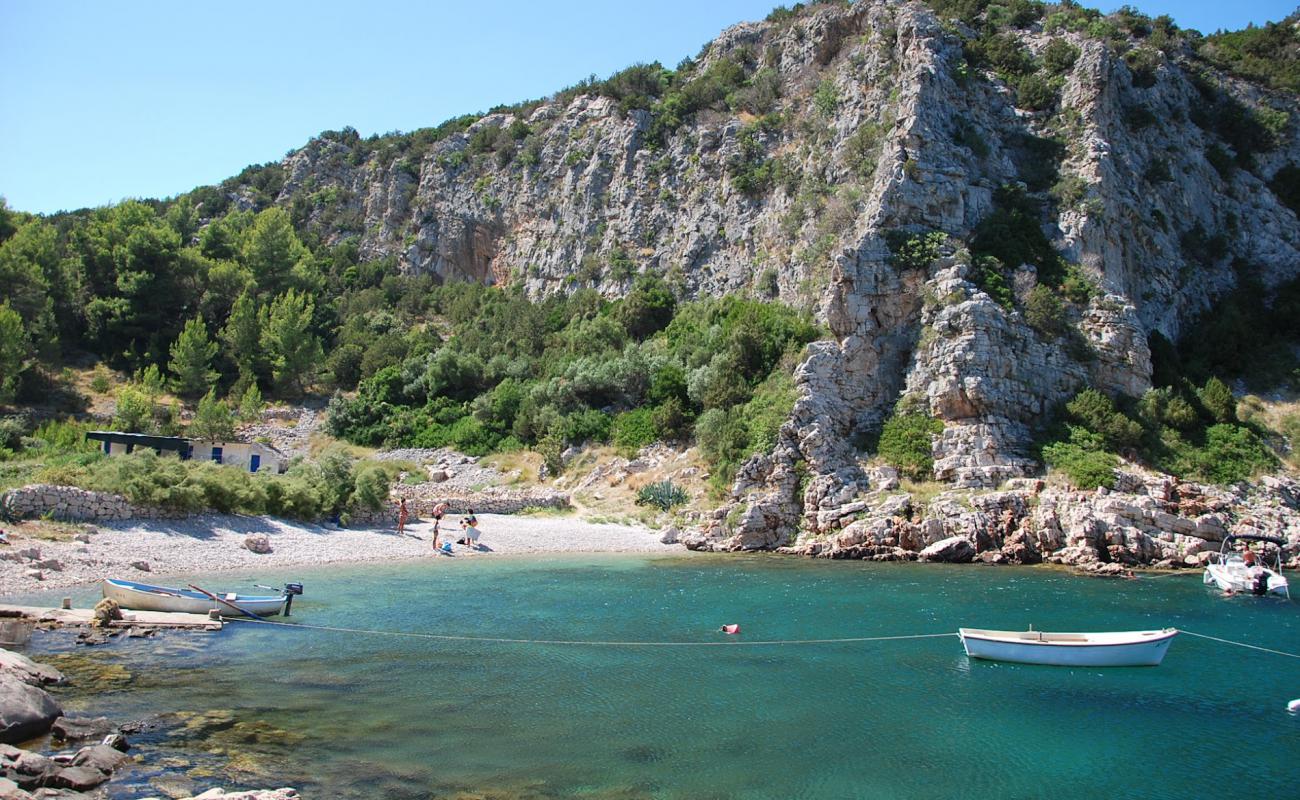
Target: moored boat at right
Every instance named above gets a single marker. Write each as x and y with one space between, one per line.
1107 649
1247 572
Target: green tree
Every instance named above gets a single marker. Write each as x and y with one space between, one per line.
213 419
271 250
134 412
250 403
242 337
191 363
26 258
1218 401
13 351
293 348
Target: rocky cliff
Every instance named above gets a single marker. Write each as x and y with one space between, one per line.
810 158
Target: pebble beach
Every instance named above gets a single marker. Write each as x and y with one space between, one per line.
135 549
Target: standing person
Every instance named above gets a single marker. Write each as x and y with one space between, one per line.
402 516
438 511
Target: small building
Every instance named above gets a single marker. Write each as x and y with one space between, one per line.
252 456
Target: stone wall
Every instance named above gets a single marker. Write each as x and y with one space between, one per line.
495 500
68 503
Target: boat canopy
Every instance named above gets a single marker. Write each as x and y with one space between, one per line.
1254 537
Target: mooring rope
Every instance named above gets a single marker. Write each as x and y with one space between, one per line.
447 637
587 642
1239 644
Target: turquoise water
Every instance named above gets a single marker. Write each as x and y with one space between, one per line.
409 718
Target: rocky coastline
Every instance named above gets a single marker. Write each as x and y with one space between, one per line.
87 750
1148 520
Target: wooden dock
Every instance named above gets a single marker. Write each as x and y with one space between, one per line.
75 617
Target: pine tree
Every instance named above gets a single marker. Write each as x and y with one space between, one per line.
294 349
13 351
192 355
271 249
242 337
213 420
250 403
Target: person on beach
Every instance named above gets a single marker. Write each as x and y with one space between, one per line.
469 526
402 516
438 511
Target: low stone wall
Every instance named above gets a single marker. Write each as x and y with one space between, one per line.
68 503
495 500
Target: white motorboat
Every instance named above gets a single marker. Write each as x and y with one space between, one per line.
1229 570
1113 649
144 597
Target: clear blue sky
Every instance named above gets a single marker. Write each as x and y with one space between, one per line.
105 100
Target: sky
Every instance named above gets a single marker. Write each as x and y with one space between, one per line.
102 100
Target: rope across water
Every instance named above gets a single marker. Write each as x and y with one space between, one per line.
589 642
612 643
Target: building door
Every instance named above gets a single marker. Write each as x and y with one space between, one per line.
216 454
254 461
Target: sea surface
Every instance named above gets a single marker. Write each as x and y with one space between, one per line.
342 714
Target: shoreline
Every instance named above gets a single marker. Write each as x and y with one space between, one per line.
216 543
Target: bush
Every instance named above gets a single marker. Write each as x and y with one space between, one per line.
906 443
1045 313
663 495
1096 412
1234 453
1059 56
1035 93
914 251
634 429
1082 460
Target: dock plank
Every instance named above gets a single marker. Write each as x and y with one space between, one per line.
84 616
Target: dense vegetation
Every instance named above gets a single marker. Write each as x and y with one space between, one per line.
331 486
568 370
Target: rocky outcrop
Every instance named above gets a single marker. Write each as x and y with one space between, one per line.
1149 521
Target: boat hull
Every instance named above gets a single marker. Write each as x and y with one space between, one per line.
145 597
1132 649
1229 578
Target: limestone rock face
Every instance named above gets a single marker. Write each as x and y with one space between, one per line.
575 192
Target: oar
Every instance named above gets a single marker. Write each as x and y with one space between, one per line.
224 601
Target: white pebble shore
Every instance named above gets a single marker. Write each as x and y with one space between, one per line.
213 543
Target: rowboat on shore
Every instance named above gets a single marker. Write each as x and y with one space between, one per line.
144 597
1112 649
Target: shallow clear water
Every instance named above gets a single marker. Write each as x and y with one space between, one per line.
370 716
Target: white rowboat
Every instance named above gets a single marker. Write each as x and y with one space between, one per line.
143 597
1114 649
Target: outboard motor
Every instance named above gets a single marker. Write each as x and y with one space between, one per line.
1260 585
290 589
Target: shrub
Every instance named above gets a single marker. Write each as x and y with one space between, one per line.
1218 401
1097 412
1059 56
1234 453
663 495
914 251
1045 313
905 443
1035 93
1082 460
633 430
